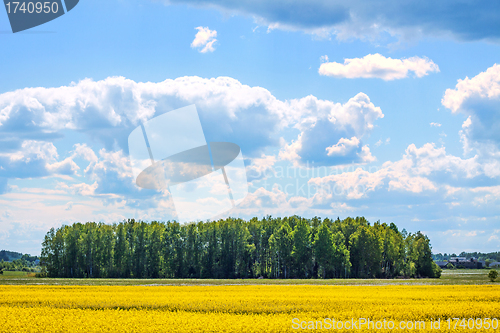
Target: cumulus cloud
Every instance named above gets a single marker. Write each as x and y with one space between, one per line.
435 125
378 66
420 170
110 109
478 99
261 167
368 19
274 201
332 133
35 159
343 146
204 40
109 174
109 177
485 85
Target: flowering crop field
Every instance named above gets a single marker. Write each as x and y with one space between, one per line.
238 308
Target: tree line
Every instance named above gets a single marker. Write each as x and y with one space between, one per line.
492 256
14 261
290 247
487 258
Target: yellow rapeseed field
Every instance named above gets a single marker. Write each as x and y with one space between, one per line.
242 308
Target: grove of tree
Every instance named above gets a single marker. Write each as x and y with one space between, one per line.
290 247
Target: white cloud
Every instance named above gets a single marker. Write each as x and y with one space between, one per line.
479 99
347 146
108 110
378 66
261 167
365 155
204 40
264 202
411 174
435 125
69 206
484 86
380 142
35 159
331 133
343 146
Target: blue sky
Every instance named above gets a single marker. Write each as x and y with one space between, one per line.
384 109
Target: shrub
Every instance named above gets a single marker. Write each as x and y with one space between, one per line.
493 275
436 270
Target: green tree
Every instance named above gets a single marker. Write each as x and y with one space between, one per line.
280 243
121 253
154 241
366 252
424 267
324 250
301 249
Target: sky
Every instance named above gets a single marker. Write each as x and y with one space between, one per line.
383 109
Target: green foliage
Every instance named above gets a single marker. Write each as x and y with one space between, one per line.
290 247
324 250
492 275
301 249
25 263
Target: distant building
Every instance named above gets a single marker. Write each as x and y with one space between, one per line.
495 264
459 259
462 262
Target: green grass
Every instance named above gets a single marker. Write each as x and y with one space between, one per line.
449 277
13 275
